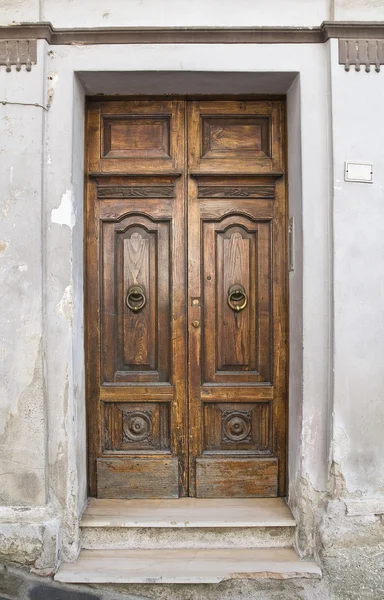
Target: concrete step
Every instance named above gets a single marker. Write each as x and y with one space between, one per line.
187 523
185 566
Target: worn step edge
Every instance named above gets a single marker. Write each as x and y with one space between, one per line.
119 538
185 566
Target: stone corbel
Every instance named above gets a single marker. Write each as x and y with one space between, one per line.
18 53
366 53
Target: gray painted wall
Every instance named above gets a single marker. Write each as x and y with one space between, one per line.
141 13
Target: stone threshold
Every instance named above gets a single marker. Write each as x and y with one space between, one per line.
188 512
185 566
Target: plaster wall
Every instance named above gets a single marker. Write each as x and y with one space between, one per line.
358 10
295 205
28 526
21 11
57 256
23 430
358 442
88 13
170 13
63 249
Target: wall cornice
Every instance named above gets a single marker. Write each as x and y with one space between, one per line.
194 35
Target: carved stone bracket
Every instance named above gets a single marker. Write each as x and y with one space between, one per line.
367 53
18 53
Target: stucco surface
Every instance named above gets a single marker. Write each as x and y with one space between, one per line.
314 382
169 13
89 13
22 408
19 12
358 10
358 442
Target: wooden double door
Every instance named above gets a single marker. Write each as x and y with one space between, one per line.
186 298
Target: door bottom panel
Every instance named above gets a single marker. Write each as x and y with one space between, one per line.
236 477
137 478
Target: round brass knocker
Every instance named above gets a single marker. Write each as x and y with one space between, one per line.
136 299
237 297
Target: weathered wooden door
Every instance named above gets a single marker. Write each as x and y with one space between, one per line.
186 298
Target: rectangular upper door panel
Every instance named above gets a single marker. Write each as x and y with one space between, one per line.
242 136
136 136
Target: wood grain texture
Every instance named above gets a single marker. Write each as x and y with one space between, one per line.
133 136
229 137
237 427
137 478
191 187
237 367
236 477
138 191
135 360
141 427
236 191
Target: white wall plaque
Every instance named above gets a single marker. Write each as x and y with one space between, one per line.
358 172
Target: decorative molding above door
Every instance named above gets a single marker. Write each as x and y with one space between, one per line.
194 35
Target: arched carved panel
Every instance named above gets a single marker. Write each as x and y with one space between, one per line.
237 343
135 338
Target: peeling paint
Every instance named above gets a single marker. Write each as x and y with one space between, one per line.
340 444
65 214
53 79
22 267
65 307
22 444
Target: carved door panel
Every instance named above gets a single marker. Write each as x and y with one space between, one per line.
237 299
186 379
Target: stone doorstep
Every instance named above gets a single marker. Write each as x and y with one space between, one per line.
140 538
186 541
192 523
188 512
185 566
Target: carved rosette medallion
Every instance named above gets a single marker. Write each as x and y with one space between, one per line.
236 426
137 426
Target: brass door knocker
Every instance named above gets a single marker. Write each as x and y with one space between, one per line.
136 298
237 297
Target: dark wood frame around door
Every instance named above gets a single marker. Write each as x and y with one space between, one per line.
185 197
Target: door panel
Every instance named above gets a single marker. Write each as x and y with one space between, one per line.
135 252
236 250
136 318
239 136
237 272
137 136
176 185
